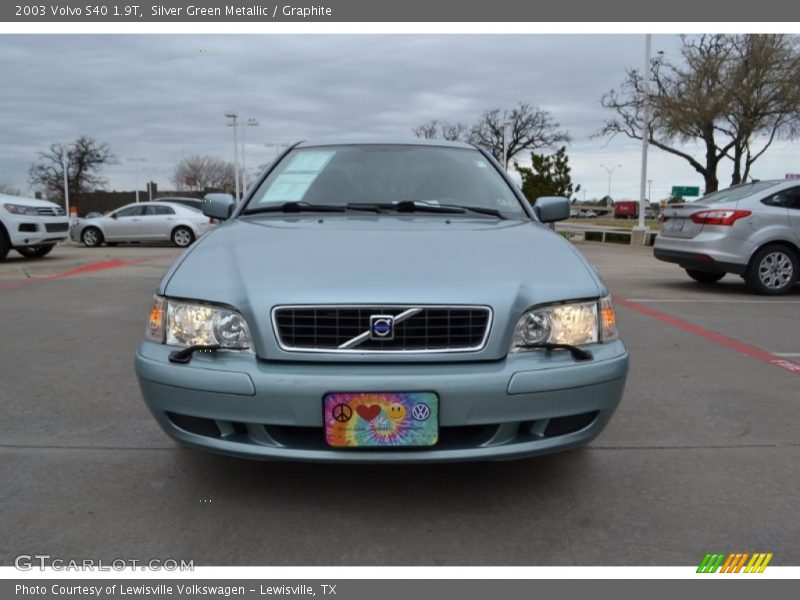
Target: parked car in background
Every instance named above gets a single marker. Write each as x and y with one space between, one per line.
31 227
587 214
190 202
382 302
751 229
143 222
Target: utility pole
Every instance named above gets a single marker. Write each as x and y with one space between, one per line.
639 233
234 116
251 122
136 162
64 167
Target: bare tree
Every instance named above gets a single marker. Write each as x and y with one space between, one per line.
204 174
436 129
727 92
85 160
765 83
529 128
9 190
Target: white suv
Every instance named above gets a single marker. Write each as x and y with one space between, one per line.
31 227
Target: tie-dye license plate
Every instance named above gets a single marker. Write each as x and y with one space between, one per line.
381 419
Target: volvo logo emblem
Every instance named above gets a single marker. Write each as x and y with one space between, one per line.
381 327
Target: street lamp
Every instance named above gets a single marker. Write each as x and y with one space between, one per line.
136 162
64 166
610 171
251 122
506 125
234 116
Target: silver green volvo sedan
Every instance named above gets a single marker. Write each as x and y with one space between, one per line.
382 302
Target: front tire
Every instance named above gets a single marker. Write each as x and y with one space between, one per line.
704 276
37 251
91 237
5 246
182 237
773 270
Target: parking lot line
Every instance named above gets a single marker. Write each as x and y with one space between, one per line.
90 268
738 346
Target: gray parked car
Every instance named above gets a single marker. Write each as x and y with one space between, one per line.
752 230
143 222
383 302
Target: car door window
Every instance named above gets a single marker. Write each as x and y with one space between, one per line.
159 210
130 211
787 198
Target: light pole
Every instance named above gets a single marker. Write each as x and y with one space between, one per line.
234 116
645 137
251 122
506 125
136 162
610 171
64 166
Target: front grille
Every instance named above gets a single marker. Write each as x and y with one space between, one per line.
54 227
429 329
47 211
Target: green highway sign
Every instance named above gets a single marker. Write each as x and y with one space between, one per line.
683 190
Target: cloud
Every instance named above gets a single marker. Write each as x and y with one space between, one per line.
163 96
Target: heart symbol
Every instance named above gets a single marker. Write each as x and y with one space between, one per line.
368 412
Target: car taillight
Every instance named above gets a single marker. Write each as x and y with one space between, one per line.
719 217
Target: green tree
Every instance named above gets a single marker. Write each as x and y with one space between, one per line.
548 175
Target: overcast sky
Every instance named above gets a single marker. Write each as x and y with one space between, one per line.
162 97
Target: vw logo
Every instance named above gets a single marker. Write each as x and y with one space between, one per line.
420 412
381 327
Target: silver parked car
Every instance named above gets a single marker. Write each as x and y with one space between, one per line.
143 222
383 302
751 229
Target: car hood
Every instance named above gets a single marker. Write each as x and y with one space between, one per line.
257 263
5 198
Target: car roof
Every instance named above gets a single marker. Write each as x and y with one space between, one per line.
383 142
173 198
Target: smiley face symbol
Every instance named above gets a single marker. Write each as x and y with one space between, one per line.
396 411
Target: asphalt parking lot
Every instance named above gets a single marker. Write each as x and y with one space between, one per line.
701 456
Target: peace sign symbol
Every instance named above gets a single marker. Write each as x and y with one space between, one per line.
342 413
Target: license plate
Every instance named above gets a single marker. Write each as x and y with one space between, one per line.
381 419
674 224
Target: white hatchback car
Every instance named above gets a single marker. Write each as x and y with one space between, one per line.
144 222
31 227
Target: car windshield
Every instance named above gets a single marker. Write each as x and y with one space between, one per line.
387 175
737 192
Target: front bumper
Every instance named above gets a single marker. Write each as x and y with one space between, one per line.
529 403
28 230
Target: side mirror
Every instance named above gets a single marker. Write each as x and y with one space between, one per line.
218 206
551 208
114 216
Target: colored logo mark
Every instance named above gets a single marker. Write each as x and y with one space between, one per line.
735 562
381 327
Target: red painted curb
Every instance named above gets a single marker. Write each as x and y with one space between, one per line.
713 336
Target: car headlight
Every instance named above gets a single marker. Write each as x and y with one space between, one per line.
19 209
184 324
573 323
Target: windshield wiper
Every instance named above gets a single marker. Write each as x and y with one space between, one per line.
577 353
406 206
478 209
294 207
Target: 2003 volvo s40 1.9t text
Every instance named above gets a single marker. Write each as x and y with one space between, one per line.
394 302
